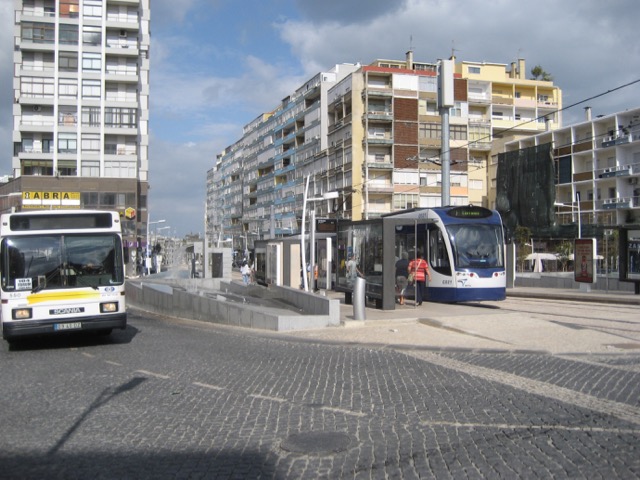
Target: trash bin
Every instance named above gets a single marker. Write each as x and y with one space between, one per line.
359 299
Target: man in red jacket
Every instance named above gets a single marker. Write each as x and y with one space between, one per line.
420 270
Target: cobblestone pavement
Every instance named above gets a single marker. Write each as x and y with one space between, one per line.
176 399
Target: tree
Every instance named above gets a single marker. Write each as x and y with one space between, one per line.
563 252
540 74
521 237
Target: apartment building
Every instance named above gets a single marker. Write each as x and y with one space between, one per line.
81 108
597 165
373 134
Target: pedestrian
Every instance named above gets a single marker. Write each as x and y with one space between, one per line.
402 274
419 270
245 270
352 270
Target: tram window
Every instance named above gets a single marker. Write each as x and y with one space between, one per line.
438 255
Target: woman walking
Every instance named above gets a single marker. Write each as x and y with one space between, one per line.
419 269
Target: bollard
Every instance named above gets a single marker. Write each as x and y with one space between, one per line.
358 299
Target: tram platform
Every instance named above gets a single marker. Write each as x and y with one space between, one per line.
572 321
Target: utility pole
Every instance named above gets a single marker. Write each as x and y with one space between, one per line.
445 102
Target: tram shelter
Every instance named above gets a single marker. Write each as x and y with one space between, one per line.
375 245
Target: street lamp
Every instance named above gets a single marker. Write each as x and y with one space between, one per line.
312 220
147 258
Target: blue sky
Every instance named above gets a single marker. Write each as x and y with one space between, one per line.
217 64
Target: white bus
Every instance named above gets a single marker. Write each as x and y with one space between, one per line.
61 271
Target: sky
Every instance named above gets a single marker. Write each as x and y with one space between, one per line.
218 64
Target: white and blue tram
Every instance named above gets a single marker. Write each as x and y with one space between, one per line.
463 245
465 252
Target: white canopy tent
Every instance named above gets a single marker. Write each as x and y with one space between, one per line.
537 260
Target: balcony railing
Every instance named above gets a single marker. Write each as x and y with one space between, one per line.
612 140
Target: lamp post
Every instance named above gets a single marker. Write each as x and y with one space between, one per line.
147 258
312 249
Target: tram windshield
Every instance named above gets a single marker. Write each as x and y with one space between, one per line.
477 246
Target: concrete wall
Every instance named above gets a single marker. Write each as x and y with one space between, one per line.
204 300
560 280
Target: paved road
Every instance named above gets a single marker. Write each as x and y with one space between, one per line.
177 399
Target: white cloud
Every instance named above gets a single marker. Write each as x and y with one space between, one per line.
589 47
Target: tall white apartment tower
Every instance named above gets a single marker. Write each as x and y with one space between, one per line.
81 109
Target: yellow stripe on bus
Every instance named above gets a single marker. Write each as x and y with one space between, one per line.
53 296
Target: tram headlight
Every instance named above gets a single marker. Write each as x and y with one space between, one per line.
21 313
109 307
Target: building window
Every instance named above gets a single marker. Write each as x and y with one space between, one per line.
119 169
38 32
67 116
121 117
458 132
36 87
69 8
91 116
90 199
68 34
456 110
403 201
431 131
90 142
474 70
91 35
92 8
427 84
91 89
67 168
67 143
475 184
91 62
90 168
67 62
68 88
37 167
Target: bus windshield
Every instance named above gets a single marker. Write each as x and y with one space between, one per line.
477 246
56 261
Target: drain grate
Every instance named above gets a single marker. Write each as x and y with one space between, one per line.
317 443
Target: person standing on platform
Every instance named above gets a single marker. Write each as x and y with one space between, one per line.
402 273
419 269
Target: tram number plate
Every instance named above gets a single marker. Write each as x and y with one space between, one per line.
67 326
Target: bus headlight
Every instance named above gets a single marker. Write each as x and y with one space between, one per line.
109 307
21 313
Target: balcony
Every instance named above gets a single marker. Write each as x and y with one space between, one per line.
382 115
613 140
620 171
379 139
615 203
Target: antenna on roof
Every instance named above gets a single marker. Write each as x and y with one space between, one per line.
411 43
453 49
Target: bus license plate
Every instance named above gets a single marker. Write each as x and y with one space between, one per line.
67 326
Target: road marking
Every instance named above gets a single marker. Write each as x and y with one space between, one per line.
113 363
507 426
622 411
153 374
344 412
207 385
87 355
271 399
